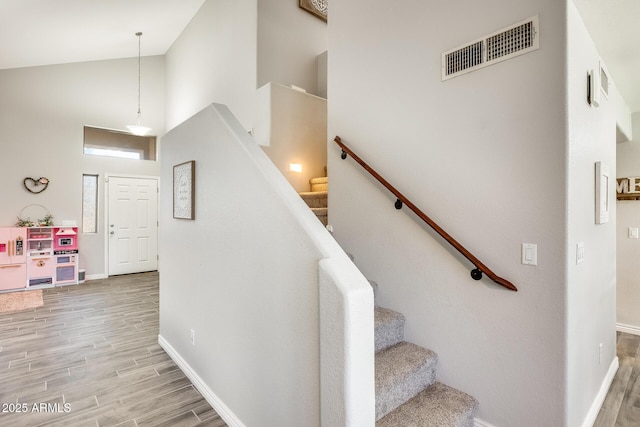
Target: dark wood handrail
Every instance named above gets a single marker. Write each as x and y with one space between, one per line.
401 199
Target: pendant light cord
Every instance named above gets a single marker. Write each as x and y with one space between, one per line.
139 34
139 129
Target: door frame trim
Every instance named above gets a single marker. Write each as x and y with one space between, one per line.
106 212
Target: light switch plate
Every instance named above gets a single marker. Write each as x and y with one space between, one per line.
529 254
633 232
579 252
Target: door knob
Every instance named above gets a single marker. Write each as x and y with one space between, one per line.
112 232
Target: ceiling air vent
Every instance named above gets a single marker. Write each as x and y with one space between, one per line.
504 44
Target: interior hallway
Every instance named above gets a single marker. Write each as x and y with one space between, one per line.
94 346
621 407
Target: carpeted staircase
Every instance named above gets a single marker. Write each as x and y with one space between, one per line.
316 199
407 393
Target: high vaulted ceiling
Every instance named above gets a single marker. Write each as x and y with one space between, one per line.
44 32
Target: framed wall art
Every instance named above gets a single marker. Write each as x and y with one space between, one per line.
318 8
184 179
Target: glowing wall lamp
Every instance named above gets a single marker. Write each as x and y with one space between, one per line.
295 167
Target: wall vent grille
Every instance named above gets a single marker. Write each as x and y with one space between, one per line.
499 46
464 58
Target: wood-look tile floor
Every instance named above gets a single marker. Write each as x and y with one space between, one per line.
90 357
621 407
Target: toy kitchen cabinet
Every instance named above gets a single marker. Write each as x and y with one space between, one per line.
52 256
13 269
65 252
38 257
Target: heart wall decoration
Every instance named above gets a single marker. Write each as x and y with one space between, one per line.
36 186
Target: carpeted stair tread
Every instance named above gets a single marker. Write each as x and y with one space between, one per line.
319 184
402 371
313 194
315 199
389 328
437 406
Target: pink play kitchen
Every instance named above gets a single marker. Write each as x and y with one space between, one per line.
37 257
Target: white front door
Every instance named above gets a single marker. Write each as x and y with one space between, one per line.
132 223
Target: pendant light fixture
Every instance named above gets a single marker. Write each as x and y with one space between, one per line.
139 129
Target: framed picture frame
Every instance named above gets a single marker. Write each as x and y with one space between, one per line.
184 180
602 193
318 8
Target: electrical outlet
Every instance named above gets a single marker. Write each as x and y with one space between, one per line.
193 337
600 354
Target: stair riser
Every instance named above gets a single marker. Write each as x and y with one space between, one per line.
314 202
389 334
317 199
389 399
406 391
319 184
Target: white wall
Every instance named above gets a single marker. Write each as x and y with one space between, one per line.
591 285
289 42
232 47
323 61
214 60
292 129
484 154
628 250
244 275
624 125
42 114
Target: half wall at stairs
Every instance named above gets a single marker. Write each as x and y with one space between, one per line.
249 276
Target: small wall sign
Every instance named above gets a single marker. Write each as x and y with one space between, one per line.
628 188
184 177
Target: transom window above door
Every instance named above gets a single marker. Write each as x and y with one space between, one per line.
113 143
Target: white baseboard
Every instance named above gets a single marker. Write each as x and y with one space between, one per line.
217 404
602 394
595 407
630 329
95 277
477 422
